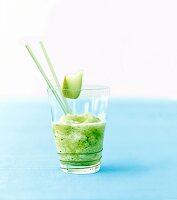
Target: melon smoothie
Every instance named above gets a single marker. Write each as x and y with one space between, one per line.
78 118
79 136
79 139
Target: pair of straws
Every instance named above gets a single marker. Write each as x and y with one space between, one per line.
59 97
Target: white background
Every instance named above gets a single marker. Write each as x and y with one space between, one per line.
129 45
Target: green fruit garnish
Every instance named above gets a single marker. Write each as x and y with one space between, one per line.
72 84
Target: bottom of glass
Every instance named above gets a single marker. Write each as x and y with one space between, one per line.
80 169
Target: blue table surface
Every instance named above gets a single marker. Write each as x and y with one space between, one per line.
139 158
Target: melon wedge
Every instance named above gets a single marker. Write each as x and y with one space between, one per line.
72 85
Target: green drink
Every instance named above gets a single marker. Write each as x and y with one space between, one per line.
78 133
79 139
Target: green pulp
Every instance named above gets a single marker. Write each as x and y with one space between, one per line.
79 139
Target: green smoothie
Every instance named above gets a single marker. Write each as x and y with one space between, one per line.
79 139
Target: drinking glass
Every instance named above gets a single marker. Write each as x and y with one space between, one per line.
79 136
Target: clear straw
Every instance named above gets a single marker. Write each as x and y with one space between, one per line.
54 75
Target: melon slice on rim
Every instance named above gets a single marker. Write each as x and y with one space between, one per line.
72 85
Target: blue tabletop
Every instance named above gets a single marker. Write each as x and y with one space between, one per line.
139 157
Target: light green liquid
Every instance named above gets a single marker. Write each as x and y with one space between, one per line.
79 139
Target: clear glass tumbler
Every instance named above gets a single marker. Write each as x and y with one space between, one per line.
79 136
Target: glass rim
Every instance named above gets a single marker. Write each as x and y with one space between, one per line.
86 88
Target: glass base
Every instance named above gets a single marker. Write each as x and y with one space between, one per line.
80 169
